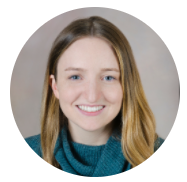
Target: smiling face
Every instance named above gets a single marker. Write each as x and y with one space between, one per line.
88 84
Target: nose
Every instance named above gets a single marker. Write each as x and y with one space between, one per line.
92 91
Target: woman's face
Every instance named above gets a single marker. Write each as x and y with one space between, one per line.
88 84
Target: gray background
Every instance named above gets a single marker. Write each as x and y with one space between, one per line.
155 64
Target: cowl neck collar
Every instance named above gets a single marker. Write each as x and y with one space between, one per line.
109 161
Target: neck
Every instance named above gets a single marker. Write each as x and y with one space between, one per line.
94 138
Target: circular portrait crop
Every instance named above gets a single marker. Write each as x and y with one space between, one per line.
94 92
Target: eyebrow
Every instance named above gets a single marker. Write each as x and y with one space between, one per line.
81 69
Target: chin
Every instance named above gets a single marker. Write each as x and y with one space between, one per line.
90 128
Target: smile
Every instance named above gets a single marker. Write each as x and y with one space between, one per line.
90 111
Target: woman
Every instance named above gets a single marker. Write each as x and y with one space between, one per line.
95 119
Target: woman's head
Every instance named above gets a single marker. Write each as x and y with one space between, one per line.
94 44
101 32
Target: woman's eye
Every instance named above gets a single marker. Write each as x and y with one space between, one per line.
108 78
75 77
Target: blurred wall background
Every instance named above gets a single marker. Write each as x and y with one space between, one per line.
155 63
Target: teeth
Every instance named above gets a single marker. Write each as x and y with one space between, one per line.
90 109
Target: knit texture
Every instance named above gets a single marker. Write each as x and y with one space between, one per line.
85 160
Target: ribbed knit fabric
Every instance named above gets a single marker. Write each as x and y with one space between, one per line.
101 160
84 160
85 154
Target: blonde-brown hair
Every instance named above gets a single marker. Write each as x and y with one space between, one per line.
136 118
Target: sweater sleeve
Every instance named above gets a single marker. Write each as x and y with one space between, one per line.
159 141
35 143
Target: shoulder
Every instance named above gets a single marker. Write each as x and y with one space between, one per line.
159 141
35 143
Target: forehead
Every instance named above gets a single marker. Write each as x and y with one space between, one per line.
89 52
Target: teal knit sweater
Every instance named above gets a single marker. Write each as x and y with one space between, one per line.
84 160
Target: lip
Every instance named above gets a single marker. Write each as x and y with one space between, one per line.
89 105
91 113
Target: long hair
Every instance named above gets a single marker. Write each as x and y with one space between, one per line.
137 120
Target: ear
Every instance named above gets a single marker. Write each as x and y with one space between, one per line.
54 86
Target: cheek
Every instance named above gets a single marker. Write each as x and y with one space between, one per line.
114 95
68 94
